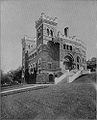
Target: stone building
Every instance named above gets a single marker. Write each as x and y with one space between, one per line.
51 52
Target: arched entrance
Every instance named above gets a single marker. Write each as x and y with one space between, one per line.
68 62
51 78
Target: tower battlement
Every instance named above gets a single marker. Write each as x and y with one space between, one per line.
46 19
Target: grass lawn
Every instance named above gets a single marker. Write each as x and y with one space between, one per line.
64 101
15 87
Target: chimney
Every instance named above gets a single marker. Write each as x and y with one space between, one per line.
66 31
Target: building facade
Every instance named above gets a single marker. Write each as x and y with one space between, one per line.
51 52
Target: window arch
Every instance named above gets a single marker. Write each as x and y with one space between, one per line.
51 32
47 31
71 48
67 47
64 46
49 65
78 59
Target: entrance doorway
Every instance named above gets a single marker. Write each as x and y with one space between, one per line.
68 62
51 78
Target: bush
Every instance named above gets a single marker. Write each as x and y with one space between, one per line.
11 78
5 79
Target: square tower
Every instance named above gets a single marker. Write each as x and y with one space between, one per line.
47 59
45 29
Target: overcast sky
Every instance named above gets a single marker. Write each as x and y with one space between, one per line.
18 18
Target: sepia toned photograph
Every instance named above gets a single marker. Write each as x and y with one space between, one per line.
48 59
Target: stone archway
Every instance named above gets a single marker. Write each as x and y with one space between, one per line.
51 78
68 62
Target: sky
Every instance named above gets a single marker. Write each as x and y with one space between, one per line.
18 19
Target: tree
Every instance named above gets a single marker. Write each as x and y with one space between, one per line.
16 75
91 64
5 79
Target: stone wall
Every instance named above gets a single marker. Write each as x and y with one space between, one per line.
42 78
76 51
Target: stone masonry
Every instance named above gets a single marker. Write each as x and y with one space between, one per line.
51 53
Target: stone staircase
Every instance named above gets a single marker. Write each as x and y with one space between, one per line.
57 80
72 75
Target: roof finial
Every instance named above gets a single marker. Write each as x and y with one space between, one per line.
42 14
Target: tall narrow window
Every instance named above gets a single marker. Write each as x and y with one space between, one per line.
67 47
49 65
47 31
51 33
78 59
78 66
64 46
71 48
29 46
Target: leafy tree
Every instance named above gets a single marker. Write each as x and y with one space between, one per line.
12 77
91 64
16 75
5 79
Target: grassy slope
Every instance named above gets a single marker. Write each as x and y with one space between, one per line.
74 101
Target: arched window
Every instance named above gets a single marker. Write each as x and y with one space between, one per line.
67 47
78 59
51 33
47 31
64 46
49 65
71 48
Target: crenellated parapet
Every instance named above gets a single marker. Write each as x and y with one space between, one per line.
46 19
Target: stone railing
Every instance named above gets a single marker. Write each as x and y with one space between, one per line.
72 75
77 74
57 80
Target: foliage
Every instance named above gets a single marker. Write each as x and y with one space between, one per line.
12 77
5 79
16 75
91 64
